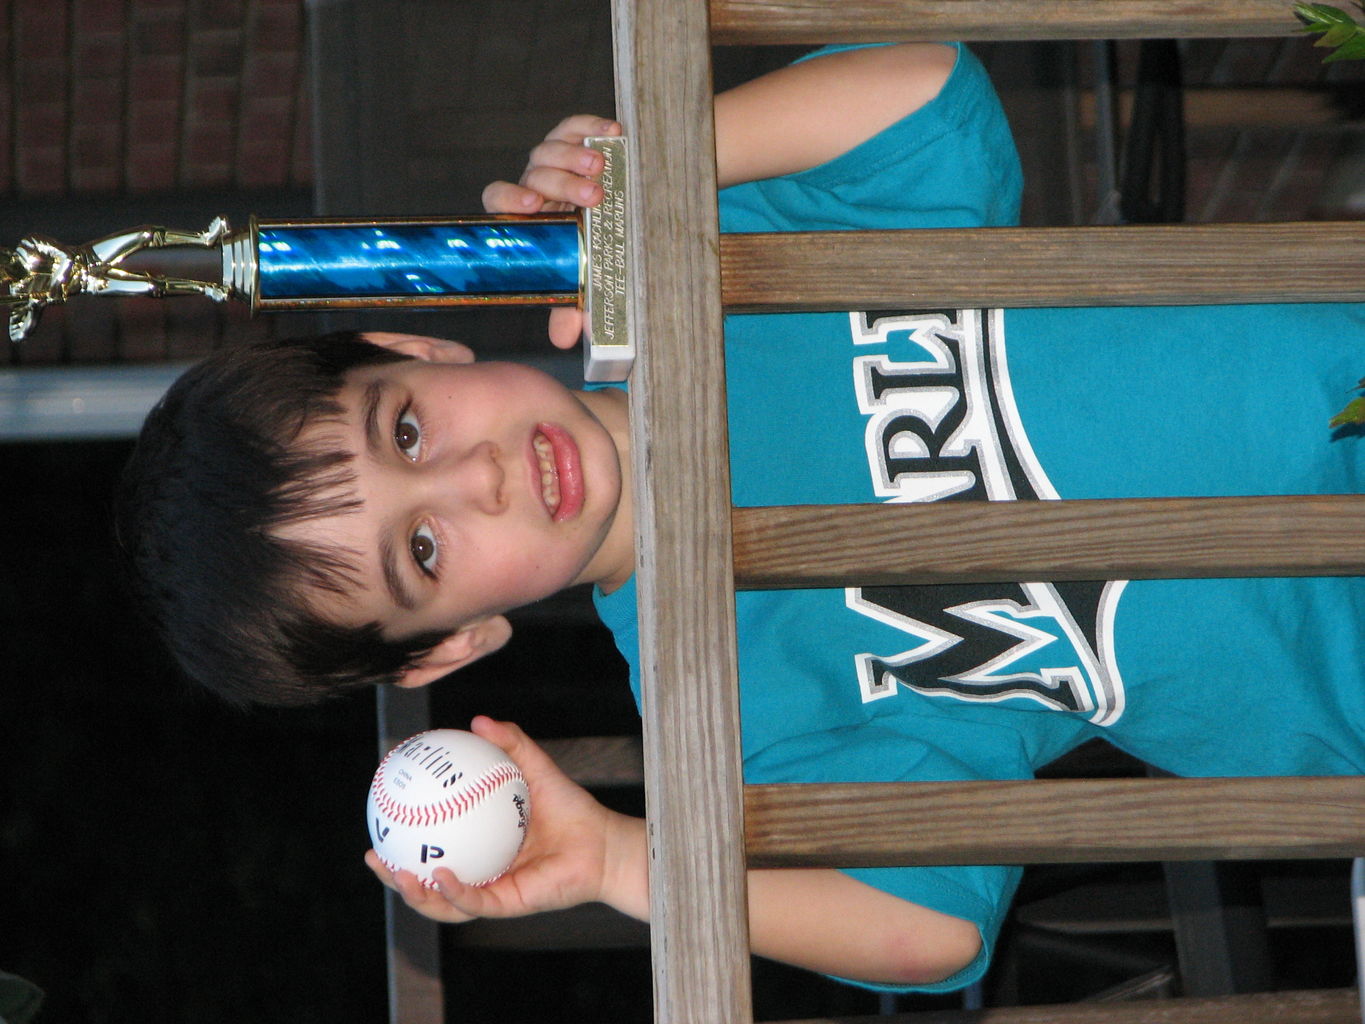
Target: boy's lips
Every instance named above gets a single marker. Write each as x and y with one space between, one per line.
559 471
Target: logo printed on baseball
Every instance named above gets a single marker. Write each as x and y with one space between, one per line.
448 798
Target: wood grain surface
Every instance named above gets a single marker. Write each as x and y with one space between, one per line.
1118 538
1183 264
698 901
815 22
1054 821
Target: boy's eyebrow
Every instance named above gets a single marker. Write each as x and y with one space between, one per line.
393 580
374 441
369 406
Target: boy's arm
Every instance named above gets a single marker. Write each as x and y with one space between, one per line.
825 921
797 117
806 114
578 851
792 119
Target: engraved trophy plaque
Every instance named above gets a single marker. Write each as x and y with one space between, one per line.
330 263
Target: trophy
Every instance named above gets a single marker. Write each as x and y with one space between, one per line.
381 263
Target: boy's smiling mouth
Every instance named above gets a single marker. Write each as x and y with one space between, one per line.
559 470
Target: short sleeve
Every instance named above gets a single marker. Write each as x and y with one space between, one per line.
877 752
951 163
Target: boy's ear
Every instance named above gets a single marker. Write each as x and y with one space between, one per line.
466 645
431 350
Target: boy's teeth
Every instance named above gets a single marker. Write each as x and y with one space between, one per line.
549 479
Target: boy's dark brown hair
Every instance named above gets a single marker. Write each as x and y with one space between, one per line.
221 465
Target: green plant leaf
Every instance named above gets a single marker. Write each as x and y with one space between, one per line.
1352 414
1352 50
1338 29
1326 14
1336 35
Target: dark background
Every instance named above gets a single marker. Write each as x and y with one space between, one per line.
169 859
165 858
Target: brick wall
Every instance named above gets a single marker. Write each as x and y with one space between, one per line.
108 96
120 112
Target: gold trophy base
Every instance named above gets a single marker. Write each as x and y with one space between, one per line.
608 348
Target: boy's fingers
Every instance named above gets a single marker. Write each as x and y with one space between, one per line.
564 186
566 327
464 898
566 156
515 743
427 901
504 734
577 127
381 872
474 901
506 197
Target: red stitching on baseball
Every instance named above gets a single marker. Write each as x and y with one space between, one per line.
457 804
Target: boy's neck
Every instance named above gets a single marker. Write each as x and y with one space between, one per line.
616 557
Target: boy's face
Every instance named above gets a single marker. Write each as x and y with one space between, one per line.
483 487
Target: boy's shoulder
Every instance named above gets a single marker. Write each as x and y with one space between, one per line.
951 162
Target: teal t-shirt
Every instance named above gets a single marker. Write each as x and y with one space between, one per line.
979 681
952 163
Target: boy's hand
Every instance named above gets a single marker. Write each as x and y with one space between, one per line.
559 176
576 851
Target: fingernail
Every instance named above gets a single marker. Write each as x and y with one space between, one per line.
605 127
588 193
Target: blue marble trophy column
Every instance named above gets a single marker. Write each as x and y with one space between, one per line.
463 261
490 262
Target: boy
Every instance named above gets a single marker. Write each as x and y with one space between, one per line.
399 507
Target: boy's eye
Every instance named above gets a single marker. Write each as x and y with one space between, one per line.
423 547
407 434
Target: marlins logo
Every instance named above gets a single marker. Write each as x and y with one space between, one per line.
942 426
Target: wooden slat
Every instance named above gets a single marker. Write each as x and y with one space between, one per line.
1325 1006
1130 538
1182 264
412 942
813 22
1053 821
599 760
682 497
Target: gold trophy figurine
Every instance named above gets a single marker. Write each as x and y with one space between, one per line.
41 272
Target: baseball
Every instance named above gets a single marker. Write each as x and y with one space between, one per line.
447 798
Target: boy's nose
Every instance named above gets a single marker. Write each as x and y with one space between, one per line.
474 477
